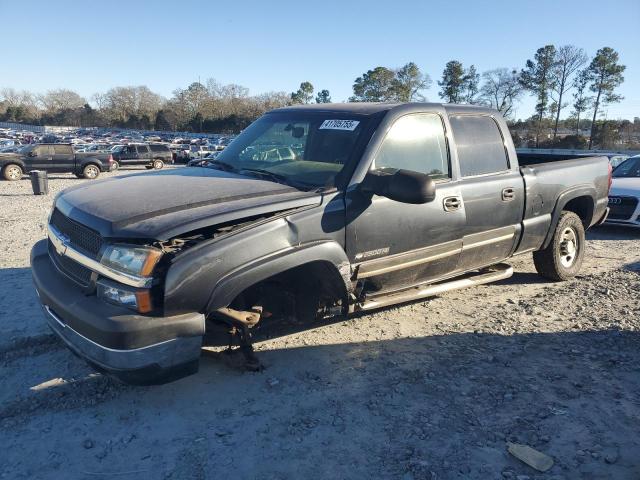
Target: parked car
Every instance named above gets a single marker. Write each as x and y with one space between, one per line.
389 203
199 151
54 158
616 160
150 155
624 197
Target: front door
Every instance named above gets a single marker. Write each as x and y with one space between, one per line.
395 244
41 158
492 191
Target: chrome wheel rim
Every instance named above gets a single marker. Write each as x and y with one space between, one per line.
568 247
14 173
157 165
91 172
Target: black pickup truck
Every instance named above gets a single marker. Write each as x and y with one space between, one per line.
151 155
375 204
54 158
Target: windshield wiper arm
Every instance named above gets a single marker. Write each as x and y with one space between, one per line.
276 177
227 167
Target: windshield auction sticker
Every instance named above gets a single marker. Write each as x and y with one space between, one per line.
339 125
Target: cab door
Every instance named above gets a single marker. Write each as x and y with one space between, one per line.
492 190
393 244
63 158
41 158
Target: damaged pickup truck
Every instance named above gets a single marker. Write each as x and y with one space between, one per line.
313 211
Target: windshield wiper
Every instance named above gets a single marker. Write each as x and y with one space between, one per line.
276 177
227 167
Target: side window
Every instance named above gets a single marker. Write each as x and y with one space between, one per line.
416 142
479 144
43 151
62 150
142 149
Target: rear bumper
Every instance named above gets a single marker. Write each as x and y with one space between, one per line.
135 348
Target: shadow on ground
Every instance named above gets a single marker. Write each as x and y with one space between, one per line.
439 406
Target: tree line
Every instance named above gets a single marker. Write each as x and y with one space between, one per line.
557 77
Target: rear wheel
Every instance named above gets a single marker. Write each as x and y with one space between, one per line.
158 164
12 172
90 171
563 257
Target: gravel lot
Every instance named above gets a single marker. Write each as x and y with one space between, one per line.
429 390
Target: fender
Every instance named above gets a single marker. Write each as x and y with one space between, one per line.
230 286
94 160
564 198
13 161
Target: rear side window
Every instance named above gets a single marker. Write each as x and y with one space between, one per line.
62 149
416 142
142 149
159 148
479 144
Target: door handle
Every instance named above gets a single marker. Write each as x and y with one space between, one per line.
451 204
508 194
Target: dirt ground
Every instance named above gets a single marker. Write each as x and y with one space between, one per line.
429 390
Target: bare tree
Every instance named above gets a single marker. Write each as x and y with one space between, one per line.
501 89
569 59
55 101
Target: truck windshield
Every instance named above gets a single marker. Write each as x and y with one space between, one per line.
303 148
628 168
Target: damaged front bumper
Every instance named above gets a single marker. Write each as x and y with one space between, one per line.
138 349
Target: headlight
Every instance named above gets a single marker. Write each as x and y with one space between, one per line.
135 299
137 261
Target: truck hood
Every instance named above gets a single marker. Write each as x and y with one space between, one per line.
160 205
625 186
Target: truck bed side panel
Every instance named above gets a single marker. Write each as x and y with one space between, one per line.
549 187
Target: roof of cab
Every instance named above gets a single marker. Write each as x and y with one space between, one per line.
369 108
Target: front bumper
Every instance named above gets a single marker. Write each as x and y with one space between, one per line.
137 349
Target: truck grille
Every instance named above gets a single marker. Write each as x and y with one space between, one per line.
622 208
72 269
80 237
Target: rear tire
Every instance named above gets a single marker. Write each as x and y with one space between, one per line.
563 257
12 172
90 172
158 164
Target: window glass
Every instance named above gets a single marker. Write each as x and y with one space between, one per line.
62 149
415 142
42 151
305 148
479 144
142 149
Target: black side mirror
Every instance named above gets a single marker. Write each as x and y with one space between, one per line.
33 153
404 186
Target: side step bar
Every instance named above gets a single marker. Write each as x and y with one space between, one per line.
491 274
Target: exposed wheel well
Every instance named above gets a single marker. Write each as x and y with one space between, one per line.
298 291
583 207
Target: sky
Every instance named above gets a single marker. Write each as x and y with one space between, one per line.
274 45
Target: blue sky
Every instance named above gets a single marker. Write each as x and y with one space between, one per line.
274 45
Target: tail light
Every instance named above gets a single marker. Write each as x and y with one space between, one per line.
610 177
110 158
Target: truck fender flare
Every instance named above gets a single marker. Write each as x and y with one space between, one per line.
241 278
564 198
13 161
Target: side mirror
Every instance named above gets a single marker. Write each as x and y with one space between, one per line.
404 186
33 153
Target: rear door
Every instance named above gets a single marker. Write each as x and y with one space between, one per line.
394 244
63 158
144 155
492 190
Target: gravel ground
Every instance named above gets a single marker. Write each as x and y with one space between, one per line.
429 390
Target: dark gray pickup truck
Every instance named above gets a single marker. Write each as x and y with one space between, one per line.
54 158
313 211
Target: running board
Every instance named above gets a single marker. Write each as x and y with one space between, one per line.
494 273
